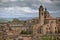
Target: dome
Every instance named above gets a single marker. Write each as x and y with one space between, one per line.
41 6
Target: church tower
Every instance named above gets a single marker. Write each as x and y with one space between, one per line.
41 15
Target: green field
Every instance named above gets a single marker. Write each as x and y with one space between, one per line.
47 37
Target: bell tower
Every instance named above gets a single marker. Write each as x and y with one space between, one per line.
41 15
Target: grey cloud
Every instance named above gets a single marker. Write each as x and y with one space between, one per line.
55 0
33 4
29 3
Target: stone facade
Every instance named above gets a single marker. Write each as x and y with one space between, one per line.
47 24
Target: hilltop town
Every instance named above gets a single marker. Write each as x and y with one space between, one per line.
30 29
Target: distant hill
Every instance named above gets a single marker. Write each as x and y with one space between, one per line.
10 19
3 20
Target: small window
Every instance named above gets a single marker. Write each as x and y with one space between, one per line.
46 28
42 9
46 21
59 20
55 27
42 13
49 28
40 30
14 39
48 15
20 39
45 16
4 39
51 21
10 29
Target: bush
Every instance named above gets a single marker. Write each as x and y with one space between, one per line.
25 32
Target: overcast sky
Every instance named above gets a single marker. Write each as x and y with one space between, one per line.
27 8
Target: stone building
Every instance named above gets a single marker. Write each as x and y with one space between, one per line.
58 24
47 24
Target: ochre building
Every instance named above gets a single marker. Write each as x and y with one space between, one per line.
47 24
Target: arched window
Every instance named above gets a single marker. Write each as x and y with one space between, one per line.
42 13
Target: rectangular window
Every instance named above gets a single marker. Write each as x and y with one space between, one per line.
46 21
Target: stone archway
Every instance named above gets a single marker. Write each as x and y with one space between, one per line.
40 30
